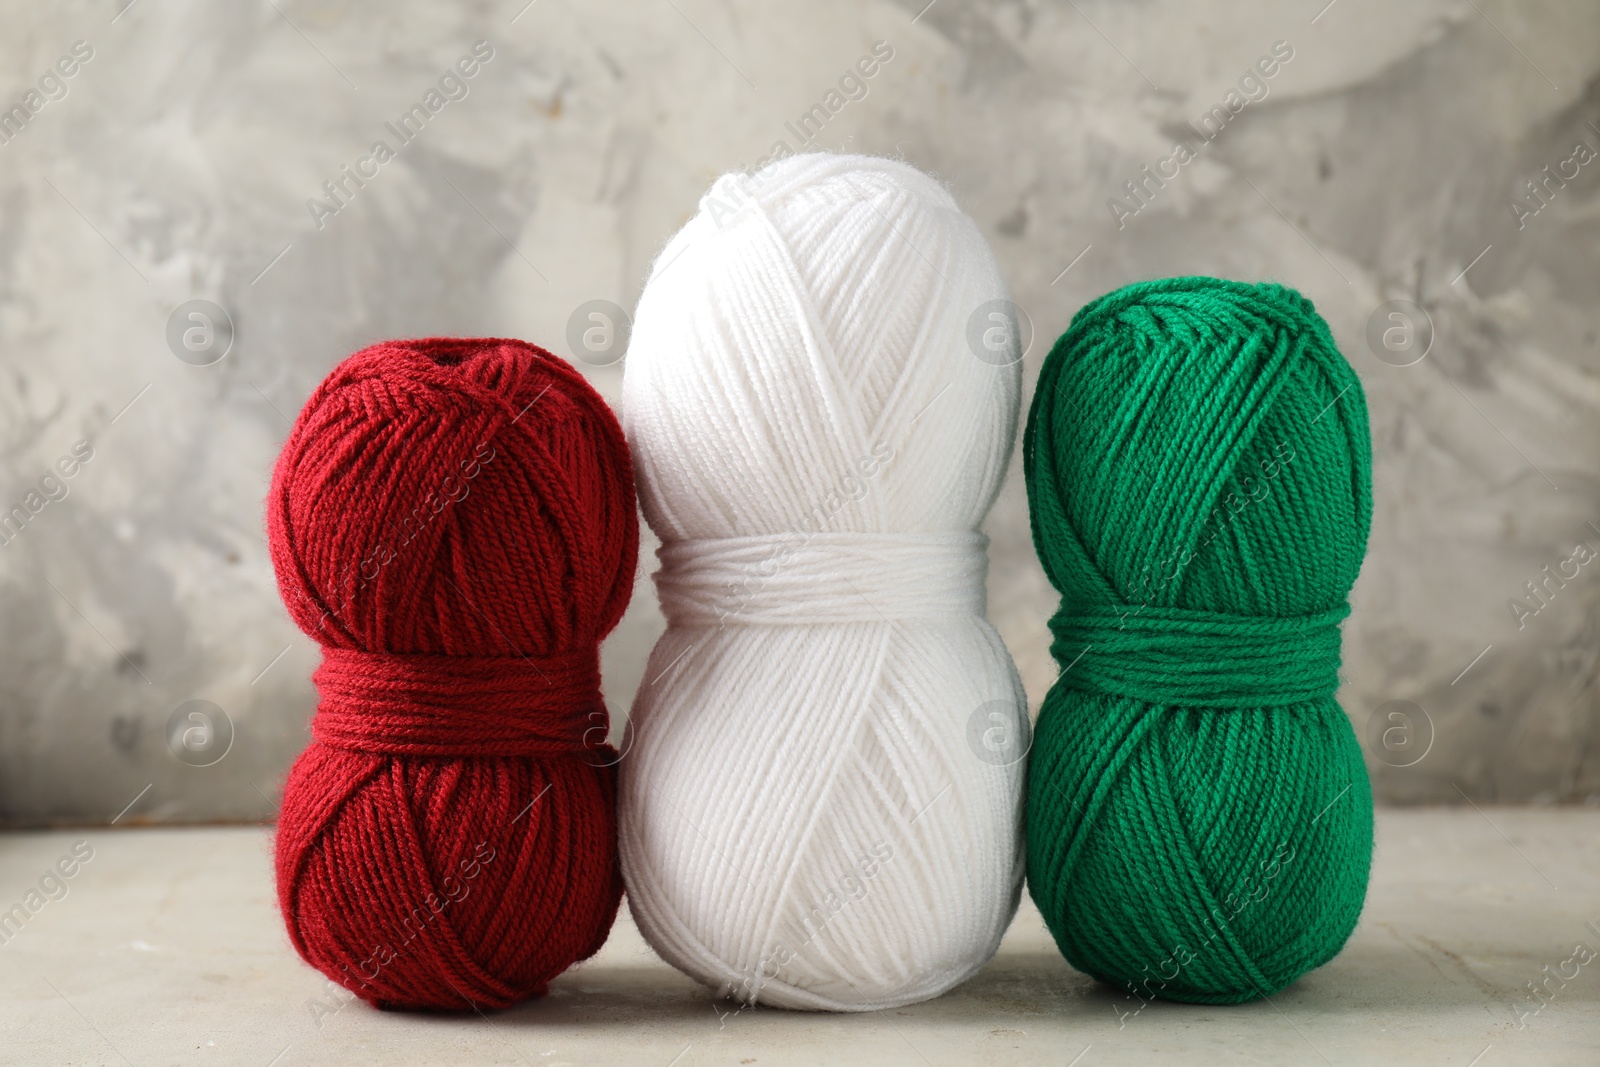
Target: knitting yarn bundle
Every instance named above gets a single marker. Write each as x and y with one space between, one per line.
1199 475
453 521
804 822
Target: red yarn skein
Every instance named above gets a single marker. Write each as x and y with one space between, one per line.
453 520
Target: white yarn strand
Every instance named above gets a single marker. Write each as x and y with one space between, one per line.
804 818
794 579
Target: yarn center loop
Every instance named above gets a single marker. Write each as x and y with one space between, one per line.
799 578
1173 656
458 706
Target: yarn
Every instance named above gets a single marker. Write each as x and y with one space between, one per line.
803 822
1199 475
453 521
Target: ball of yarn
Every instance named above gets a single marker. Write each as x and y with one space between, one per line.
1199 475
804 821
453 521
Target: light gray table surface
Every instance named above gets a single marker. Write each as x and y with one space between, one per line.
168 949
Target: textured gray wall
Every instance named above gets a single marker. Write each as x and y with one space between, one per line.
1382 163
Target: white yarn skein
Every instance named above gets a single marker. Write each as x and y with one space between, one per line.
805 820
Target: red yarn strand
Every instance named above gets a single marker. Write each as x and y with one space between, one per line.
453 520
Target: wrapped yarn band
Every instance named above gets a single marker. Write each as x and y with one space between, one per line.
1199 659
800 578
457 706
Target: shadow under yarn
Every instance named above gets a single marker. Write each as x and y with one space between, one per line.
1198 467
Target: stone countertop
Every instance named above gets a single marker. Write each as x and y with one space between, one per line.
167 948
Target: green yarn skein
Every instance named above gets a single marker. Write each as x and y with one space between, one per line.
1199 479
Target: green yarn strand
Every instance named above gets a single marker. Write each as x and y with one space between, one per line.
1200 659
1199 479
